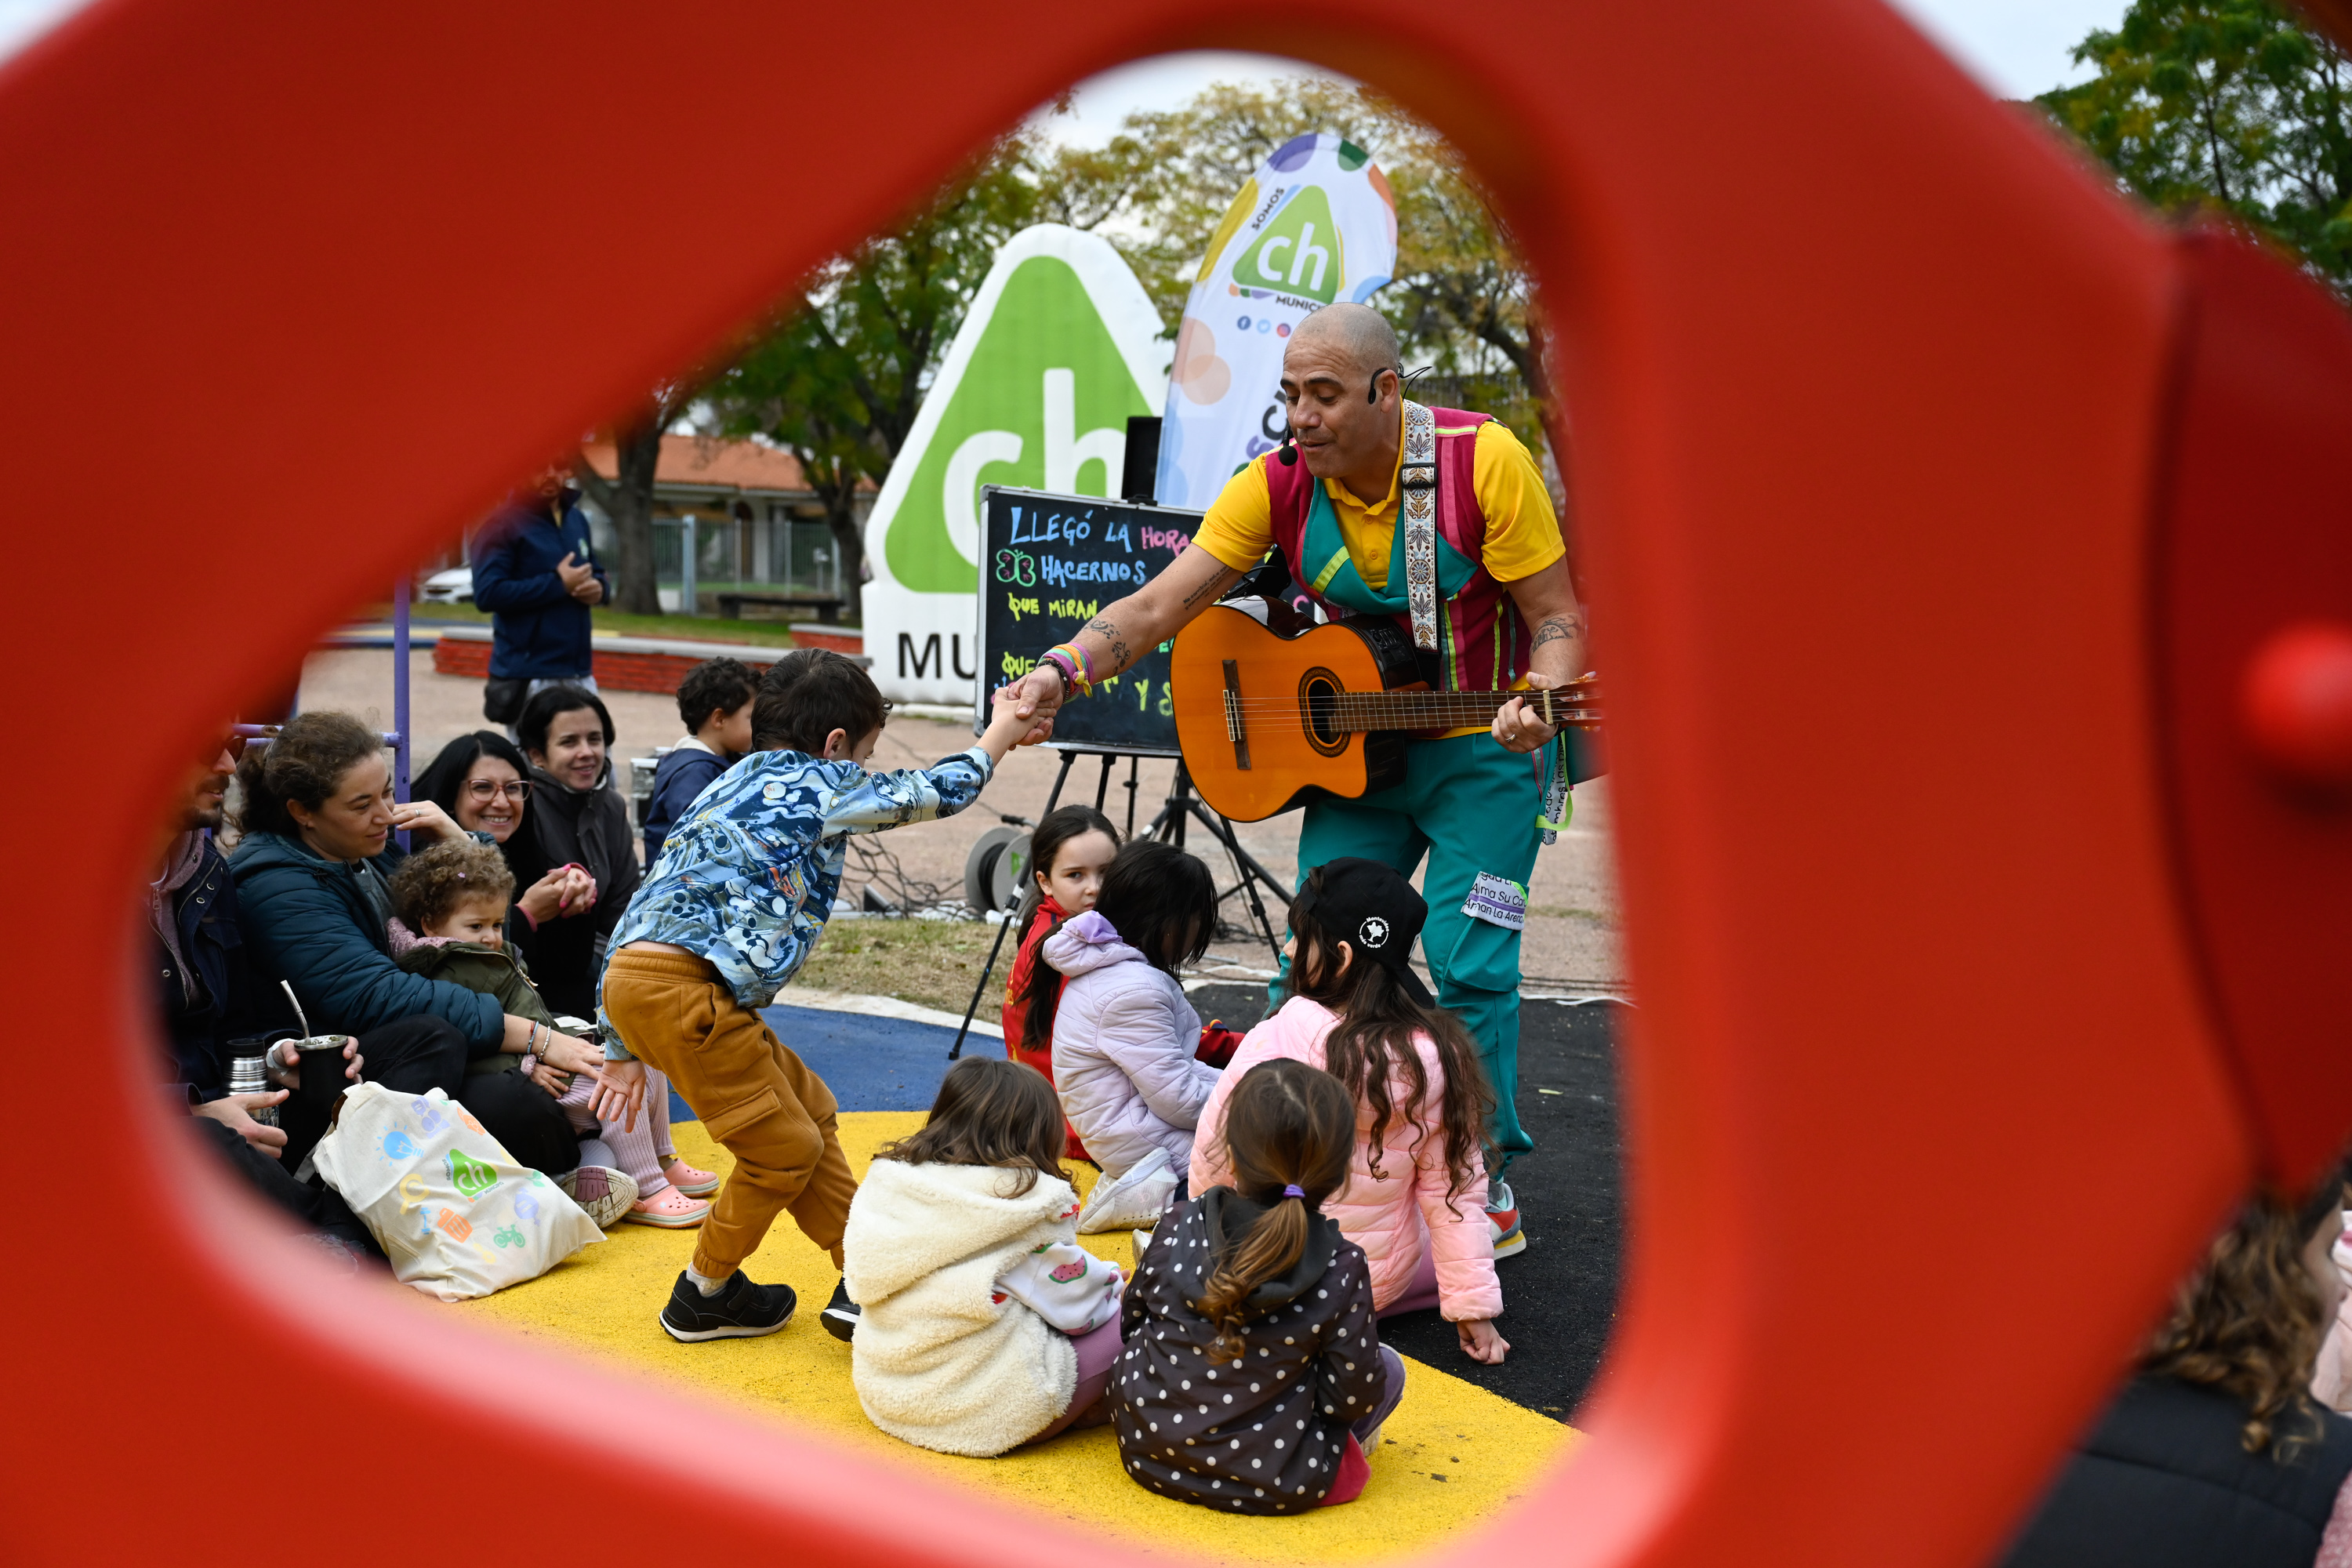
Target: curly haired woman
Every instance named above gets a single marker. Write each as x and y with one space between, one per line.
2216 1453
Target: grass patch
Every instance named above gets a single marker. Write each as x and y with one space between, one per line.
699 628
932 963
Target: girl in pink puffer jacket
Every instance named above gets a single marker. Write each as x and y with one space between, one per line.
1416 1195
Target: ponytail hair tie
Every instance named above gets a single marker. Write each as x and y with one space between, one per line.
1294 1191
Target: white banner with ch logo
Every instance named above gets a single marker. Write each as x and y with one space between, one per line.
1315 225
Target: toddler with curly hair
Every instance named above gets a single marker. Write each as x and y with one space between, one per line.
450 903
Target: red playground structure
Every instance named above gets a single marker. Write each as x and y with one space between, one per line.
1943 514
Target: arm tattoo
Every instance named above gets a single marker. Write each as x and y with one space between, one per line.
1101 627
1213 587
1558 628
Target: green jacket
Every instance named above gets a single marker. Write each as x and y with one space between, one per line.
494 972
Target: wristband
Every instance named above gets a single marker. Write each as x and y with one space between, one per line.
1071 660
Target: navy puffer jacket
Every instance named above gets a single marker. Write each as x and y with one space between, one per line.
2165 1481
538 630
306 919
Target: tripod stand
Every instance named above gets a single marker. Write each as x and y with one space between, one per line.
1183 807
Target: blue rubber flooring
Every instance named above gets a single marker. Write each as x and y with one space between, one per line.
870 1064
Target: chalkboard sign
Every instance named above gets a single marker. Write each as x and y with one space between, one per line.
1048 563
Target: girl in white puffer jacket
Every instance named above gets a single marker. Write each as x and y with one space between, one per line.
1415 1199
982 1324
1125 1037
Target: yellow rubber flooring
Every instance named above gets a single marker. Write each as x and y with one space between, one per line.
1452 1457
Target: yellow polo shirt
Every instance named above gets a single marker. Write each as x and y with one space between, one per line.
1522 530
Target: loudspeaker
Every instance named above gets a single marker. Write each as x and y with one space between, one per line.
1139 478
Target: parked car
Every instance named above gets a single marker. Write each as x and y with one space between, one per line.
454 586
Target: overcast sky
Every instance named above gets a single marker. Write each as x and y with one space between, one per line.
2016 48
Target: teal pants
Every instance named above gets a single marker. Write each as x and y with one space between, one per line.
1470 807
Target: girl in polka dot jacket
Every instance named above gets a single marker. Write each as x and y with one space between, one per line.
1253 1380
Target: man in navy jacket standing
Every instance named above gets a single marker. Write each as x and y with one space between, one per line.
535 570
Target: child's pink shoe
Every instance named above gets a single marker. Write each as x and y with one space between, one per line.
694 1183
669 1208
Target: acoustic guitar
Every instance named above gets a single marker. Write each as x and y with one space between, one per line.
1264 717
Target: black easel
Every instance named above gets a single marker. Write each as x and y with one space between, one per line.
1182 806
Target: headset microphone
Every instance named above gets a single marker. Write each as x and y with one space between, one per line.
1288 450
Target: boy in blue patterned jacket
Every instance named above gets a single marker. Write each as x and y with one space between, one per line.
738 899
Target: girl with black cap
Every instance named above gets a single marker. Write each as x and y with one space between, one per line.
1416 1194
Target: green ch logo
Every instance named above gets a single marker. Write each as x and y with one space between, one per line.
1299 253
470 1177
1043 402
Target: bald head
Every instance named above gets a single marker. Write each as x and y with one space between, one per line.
1343 388
1357 331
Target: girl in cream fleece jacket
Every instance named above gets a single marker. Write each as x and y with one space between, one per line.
982 1324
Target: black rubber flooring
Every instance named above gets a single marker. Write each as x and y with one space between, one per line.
1560 1295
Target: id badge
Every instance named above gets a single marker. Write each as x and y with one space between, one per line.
1497 900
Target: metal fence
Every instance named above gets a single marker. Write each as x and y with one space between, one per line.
780 554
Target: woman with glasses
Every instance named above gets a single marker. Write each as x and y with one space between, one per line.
484 785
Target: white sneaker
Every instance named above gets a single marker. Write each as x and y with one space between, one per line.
1142 1240
601 1192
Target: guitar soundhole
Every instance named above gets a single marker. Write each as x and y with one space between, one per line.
1318 710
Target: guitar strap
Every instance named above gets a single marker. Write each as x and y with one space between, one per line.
1417 482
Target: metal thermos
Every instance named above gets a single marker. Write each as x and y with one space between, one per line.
247 1074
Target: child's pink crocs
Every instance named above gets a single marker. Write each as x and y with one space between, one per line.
669 1208
694 1183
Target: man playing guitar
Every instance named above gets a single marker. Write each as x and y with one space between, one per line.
1460 545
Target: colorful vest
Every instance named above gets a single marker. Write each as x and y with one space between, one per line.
1473 638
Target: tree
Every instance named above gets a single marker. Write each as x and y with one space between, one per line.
839 373
2224 106
627 498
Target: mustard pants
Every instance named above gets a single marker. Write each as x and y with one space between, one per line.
755 1098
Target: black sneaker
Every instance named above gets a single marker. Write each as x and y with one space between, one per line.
840 1315
738 1309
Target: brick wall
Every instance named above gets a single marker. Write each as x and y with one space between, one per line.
614 672
470 659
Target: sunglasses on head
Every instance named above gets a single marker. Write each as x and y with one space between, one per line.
236 743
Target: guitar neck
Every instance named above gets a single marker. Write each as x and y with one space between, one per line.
1367 710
